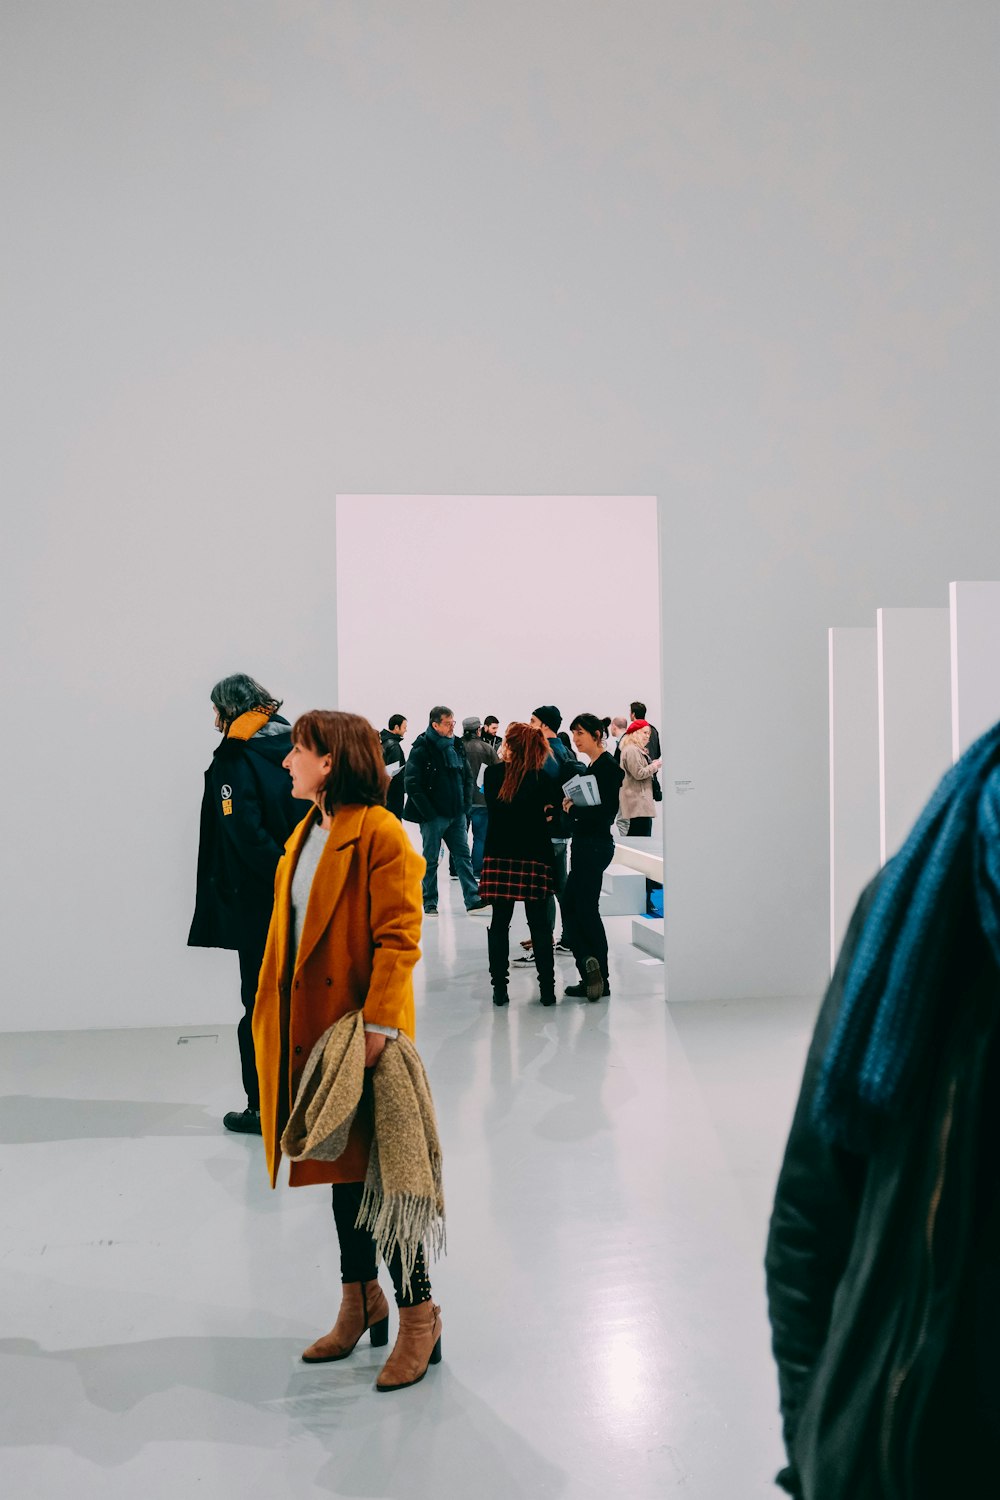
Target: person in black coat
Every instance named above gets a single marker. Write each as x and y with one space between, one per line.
639 712
247 813
591 851
518 861
392 754
883 1256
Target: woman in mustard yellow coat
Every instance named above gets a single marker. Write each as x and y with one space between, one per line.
344 936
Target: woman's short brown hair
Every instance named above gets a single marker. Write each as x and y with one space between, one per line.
358 774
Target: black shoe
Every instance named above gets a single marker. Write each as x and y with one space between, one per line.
243 1121
593 986
594 980
430 911
500 995
562 947
548 997
579 992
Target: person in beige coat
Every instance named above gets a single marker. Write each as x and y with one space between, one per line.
636 805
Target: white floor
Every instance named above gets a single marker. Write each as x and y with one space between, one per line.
608 1170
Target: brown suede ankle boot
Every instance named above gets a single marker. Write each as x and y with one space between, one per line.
418 1344
362 1305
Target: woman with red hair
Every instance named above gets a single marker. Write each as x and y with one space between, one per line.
517 864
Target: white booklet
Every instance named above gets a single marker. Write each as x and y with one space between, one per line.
394 769
582 791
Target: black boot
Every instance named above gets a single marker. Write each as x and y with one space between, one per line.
499 952
592 985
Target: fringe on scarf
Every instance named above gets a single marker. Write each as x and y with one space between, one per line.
402 1221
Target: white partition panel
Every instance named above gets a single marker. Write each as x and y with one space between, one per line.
914 715
975 662
854 772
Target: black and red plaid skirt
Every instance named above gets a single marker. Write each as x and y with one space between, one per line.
515 880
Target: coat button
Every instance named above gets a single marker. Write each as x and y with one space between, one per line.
296 984
329 981
298 1052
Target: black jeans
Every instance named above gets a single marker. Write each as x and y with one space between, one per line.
590 856
358 1260
251 954
639 828
498 942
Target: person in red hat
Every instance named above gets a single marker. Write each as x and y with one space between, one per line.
636 804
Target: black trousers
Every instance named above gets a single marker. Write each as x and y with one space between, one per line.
559 867
498 941
251 953
584 930
639 828
358 1259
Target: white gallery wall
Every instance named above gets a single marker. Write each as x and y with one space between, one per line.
974 619
495 604
741 258
914 716
855 801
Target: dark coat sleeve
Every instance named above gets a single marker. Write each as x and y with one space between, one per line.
244 827
414 781
813 1220
470 781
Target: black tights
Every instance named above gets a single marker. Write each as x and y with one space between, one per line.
498 941
358 1261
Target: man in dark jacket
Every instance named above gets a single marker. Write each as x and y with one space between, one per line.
247 813
653 748
883 1259
392 754
439 789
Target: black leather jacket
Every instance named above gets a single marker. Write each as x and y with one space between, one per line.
883 1272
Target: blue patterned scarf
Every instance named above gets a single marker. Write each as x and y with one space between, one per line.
947 871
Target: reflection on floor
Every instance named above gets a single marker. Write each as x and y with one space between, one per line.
608 1169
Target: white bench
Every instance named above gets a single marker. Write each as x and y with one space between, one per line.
623 892
646 857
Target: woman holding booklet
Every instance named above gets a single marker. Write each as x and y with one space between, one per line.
592 809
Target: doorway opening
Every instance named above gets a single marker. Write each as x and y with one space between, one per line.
496 604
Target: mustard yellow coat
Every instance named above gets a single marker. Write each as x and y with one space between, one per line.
358 946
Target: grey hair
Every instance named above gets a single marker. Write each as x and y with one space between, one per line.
439 712
239 694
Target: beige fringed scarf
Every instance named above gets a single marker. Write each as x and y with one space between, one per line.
403 1202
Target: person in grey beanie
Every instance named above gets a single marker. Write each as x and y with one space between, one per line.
248 811
480 754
